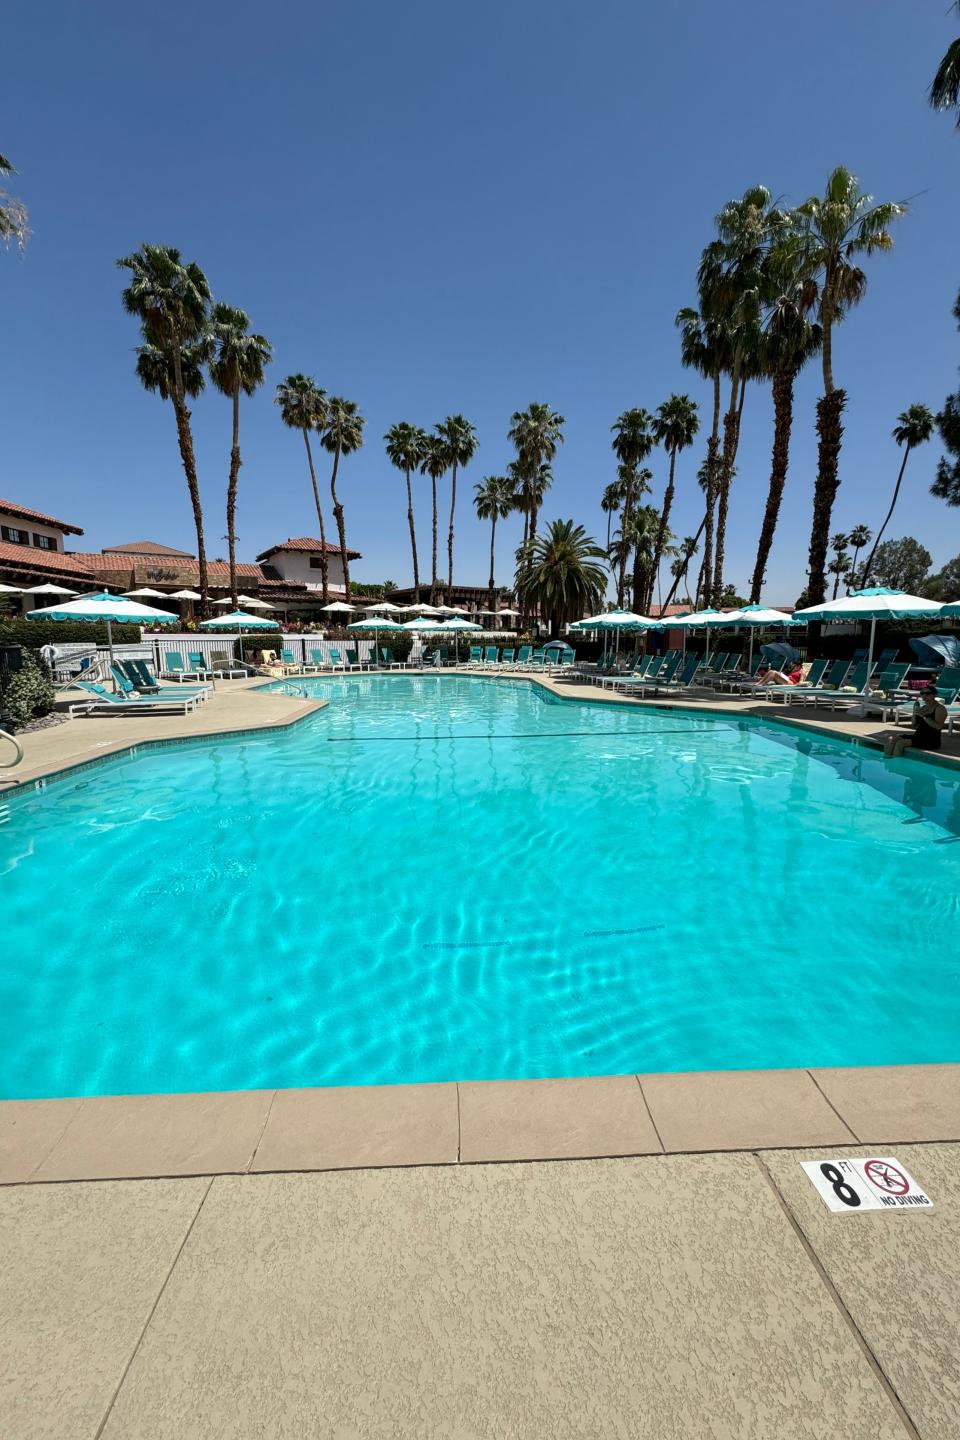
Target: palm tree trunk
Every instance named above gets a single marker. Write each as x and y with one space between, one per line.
779 460
830 434
493 537
624 526
679 578
185 440
235 463
731 435
712 466
324 572
341 527
433 572
453 507
879 535
852 572
664 522
413 538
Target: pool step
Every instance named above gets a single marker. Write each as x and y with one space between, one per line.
4 814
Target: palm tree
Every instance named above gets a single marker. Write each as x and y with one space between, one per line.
915 426
632 442
236 364
303 406
860 535
460 440
837 228
342 435
406 448
493 499
535 433
730 284
945 89
687 549
612 500
13 212
788 341
675 427
840 564
435 464
703 347
171 299
562 577
640 534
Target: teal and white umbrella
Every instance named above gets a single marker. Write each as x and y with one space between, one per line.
376 623
457 623
873 604
755 617
951 610
113 609
239 620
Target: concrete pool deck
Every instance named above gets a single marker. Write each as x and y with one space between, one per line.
687 1297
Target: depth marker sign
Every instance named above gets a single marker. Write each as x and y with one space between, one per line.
874 1183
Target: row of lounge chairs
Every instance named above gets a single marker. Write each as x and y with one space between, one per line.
138 689
381 657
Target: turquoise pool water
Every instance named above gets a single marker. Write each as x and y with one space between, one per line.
446 877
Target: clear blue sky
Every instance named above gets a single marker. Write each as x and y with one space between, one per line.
439 207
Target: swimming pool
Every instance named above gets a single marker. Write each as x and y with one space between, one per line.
448 877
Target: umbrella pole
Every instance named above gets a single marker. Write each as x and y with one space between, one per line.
750 662
110 648
873 636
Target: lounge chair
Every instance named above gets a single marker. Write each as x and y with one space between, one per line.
175 669
353 660
127 687
523 657
100 698
507 657
137 677
476 655
225 668
661 677
198 665
491 655
830 679
290 665
388 660
855 689
890 694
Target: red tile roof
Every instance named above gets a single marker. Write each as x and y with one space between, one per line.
121 561
304 542
146 547
21 512
17 558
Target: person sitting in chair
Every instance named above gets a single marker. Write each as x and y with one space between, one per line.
929 719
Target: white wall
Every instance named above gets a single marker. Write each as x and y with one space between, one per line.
33 527
295 565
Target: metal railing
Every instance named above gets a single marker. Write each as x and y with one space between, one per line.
9 764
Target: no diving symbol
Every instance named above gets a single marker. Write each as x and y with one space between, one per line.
886 1177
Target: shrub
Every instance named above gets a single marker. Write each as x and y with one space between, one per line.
28 692
34 633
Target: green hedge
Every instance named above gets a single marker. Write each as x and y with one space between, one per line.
34 633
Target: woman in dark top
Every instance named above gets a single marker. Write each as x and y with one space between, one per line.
929 719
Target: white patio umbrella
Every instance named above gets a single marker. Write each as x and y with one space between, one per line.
49 589
119 609
425 609
185 595
250 602
384 609
145 593
875 603
457 623
948 611
451 610
338 607
10 590
225 601
755 617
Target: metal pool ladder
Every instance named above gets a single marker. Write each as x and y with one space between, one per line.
9 764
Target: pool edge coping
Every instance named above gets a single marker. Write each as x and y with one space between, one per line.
322 1129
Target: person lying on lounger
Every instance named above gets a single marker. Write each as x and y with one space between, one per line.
792 674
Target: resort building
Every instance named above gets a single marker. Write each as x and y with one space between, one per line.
32 547
300 562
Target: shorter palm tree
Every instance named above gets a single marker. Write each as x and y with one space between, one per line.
13 212
840 563
435 463
237 363
562 576
860 535
611 503
915 426
406 447
459 438
303 407
945 88
493 500
675 427
342 435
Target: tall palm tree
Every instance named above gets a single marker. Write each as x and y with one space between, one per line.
435 463
685 552
13 212
303 406
460 439
730 283
535 434
675 427
237 364
840 563
788 341
563 578
860 536
837 228
915 426
342 435
632 442
703 347
171 300
493 500
406 447
945 87
640 534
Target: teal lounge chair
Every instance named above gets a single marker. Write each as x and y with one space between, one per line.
490 655
890 682
831 678
100 698
523 656
507 658
198 665
855 681
137 677
476 655
224 667
353 660
388 660
127 687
